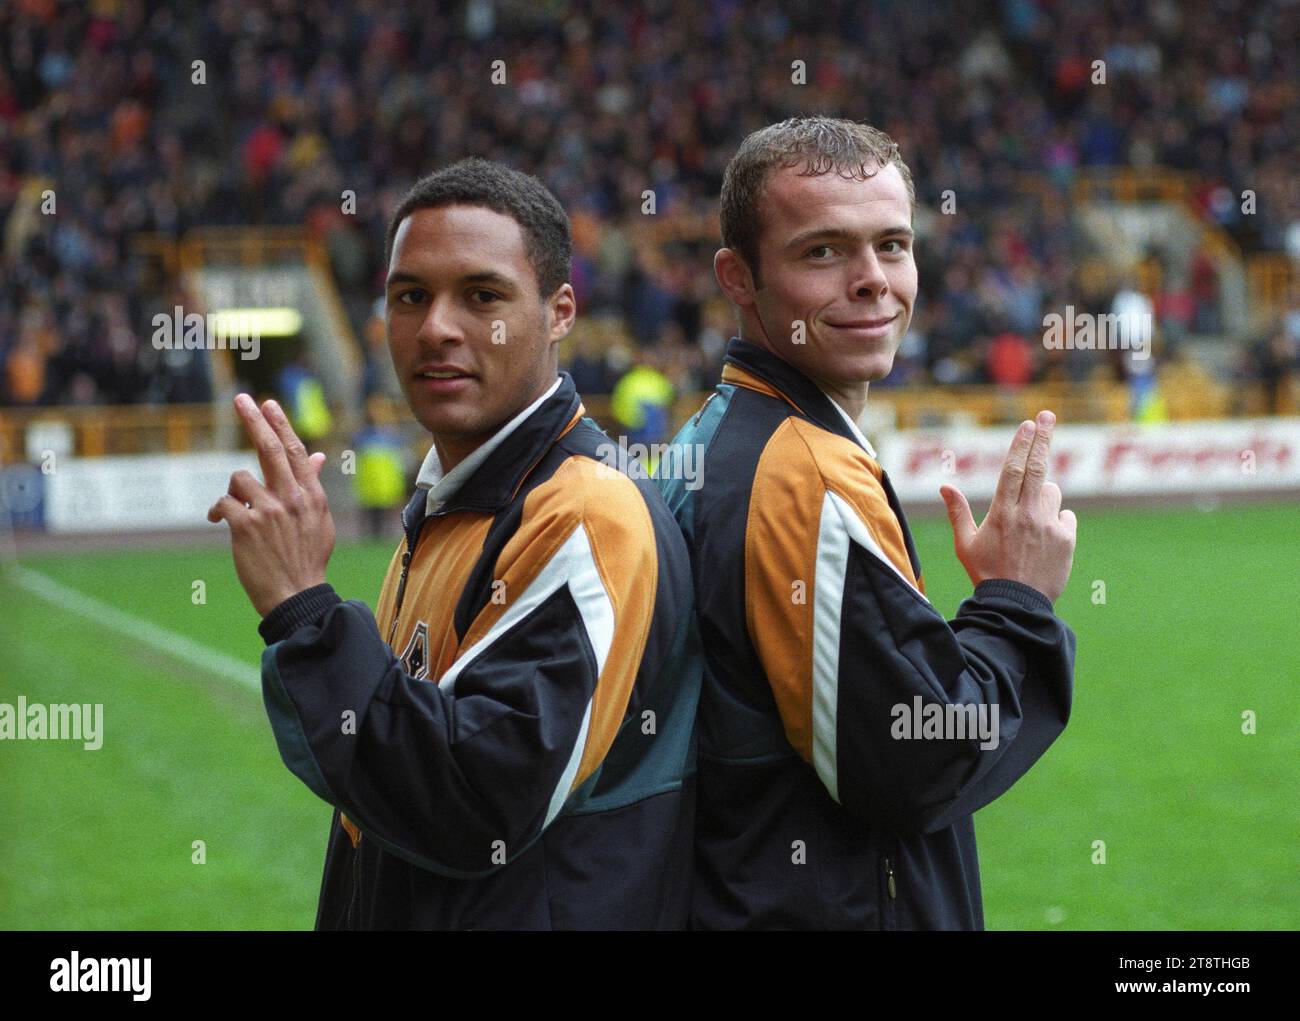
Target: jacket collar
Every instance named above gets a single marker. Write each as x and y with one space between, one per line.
442 486
494 482
789 383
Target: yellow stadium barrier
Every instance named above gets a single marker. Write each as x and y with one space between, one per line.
183 428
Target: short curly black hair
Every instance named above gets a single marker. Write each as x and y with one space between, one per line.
522 197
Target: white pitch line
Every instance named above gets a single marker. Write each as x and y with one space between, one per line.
127 624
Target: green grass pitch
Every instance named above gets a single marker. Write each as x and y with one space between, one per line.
1199 821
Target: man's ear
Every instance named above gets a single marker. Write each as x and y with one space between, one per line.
734 277
563 306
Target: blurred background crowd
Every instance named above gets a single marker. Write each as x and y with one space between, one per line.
302 100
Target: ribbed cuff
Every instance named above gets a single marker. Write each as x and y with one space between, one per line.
301 608
1016 591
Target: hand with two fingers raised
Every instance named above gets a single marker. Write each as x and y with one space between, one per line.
281 531
1025 536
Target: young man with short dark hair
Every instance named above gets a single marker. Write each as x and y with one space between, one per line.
816 808
507 740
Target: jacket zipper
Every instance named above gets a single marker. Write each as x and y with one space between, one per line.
401 589
891 889
354 906
700 414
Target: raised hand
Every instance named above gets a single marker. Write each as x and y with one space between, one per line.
1025 536
281 533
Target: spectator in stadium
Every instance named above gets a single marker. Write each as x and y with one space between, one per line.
642 400
1010 362
498 769
380 479
1278 360
304 402
816 809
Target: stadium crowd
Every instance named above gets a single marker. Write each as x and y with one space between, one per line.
297 101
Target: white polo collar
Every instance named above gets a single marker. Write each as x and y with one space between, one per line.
857 433
442 487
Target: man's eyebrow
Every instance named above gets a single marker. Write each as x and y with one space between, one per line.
400 278
839 233
487 276
484 276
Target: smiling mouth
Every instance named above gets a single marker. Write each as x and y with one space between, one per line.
438 383
864 324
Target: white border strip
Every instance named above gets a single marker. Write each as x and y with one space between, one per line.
169 642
